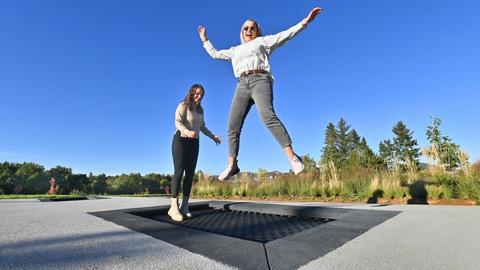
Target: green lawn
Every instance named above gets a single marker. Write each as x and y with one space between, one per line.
38 196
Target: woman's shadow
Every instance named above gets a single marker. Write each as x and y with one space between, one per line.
376 194
418 192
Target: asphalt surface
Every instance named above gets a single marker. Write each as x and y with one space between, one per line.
62 235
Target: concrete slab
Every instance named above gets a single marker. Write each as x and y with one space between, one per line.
61 235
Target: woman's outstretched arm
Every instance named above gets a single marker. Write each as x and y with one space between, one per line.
217 139
222 54
277 40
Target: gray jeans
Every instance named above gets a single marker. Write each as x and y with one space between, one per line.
254 89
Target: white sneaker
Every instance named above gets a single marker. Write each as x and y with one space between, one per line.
173 212
228 172
296 163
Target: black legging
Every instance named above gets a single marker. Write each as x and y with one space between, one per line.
185 155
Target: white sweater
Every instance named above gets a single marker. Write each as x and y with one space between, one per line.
253 54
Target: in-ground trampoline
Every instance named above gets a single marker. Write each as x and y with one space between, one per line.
253 235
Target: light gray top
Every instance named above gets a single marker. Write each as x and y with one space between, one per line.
187 120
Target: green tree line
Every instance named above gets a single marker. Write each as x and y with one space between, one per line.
31 178
345 150
345 155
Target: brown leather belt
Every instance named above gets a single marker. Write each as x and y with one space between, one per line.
255 71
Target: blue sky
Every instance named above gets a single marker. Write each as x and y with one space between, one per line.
93 85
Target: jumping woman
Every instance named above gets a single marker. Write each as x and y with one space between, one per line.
250 61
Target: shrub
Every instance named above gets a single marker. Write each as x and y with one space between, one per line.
334 187
364 185
281 188
356 189
444 178
475 168
76 192
392 189
468 189
394 192
438 192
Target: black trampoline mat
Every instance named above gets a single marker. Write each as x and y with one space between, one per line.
252 226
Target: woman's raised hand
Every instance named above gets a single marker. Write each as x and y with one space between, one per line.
202 31
311 16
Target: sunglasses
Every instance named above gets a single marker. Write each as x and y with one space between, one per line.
253 28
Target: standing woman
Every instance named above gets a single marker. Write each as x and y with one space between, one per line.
189 121
250 61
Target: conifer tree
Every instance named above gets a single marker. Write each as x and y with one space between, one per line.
401 151
404 145
329 151
343 142
344 148
368 159
387 155
355 140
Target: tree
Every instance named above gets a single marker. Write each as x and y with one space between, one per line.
368 159
79 182
346 149
388 155
354 141
405 146
99 183
151 182
442 151
401 152
128 184
329 151
309 163
343 142
7 176
31 178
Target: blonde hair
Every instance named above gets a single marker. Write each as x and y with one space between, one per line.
259 30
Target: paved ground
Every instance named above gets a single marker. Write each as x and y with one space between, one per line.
61 235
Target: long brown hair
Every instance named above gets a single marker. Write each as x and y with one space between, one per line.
189 99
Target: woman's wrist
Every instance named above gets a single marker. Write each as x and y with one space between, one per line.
304 22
